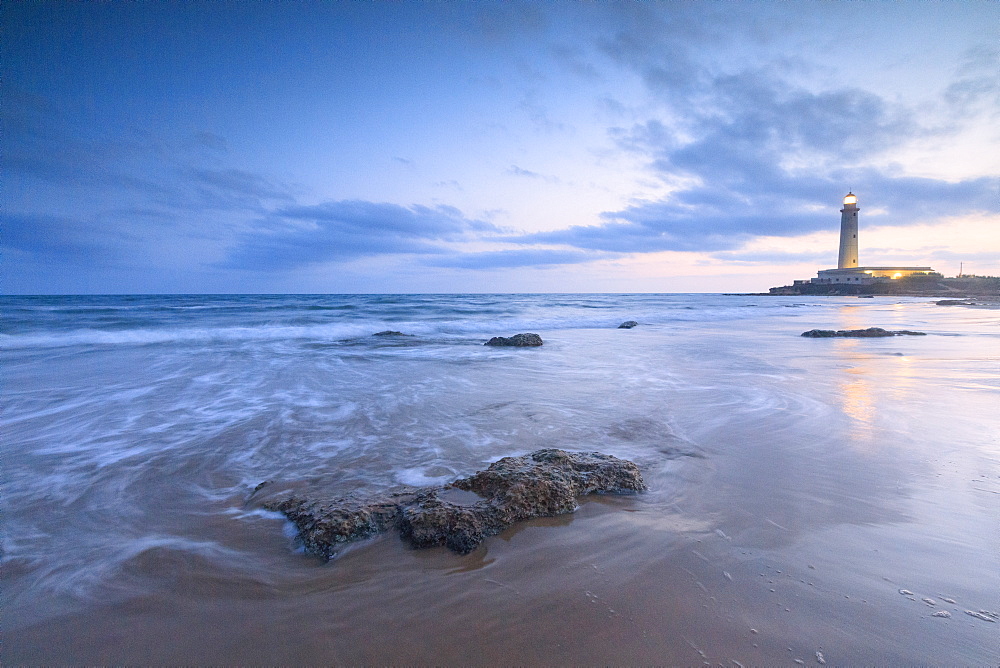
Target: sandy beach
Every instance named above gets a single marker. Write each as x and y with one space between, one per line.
810 501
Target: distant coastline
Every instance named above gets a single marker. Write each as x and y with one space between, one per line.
911 286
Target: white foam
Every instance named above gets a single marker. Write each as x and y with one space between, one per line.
417 477
140 337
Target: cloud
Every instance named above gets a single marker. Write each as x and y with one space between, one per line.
978 82
539 114
61 239
42 145
716 218
299 235
162 199
650 236
663 47
516 258
767 159
514 170
756 257
573 59
227 188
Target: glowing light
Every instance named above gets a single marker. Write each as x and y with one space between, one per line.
897 275
851 199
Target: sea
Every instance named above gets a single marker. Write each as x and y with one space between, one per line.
813 500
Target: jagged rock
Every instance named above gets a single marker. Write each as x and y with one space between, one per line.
389 332
323 527
520 340
628 324
466 512
955 302
859 333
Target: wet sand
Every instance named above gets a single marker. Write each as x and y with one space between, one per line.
551 591
842 498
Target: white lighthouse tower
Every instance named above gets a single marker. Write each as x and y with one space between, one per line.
848 258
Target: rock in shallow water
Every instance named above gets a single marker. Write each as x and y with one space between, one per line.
628 324
519 340
466 512
858 333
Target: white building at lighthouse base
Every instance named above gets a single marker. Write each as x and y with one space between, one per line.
866 275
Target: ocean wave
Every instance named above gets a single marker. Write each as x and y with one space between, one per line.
139 337
437 322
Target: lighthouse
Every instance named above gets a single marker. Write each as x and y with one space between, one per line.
847 271
848 258
848 278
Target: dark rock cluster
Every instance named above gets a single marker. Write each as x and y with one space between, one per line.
859 333
466 512
389 332
519 340
628 324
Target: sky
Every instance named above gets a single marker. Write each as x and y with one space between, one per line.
441 147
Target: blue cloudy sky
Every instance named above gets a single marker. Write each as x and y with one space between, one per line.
491 147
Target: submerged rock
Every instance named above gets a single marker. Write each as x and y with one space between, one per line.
628 324
859 333
519 340
389 332
466 512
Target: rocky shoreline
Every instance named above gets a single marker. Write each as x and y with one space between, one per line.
965 287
